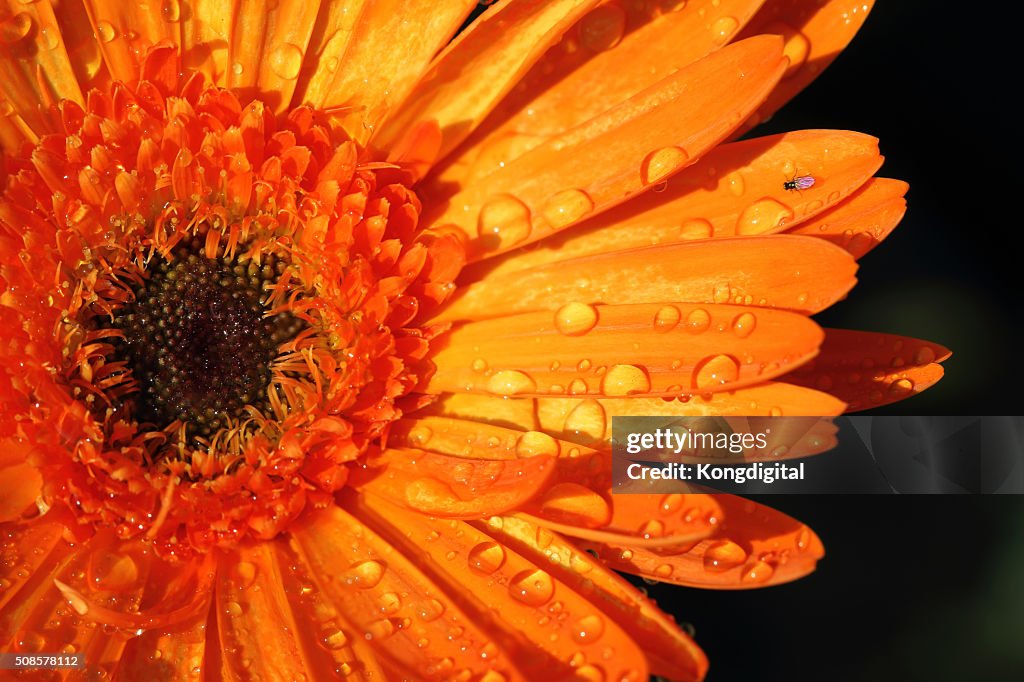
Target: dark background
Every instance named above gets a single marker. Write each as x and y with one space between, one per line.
912 588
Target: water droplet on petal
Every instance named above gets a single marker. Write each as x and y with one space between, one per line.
715 371
924 355
723 555
49 36
587 421
666 319
504 221
763 216
244 573
671 503
625 380
567 206
901 387
576 504
698 321
660 164
533 587
536 443
723 28
16 28
574 319
112 571
588 629
106 31
487 557
759 572
652 529
170 10
744 324
286 61
510 382
333 638
696 228
589 673
365 574
602 28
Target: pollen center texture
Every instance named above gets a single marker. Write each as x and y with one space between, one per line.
199 339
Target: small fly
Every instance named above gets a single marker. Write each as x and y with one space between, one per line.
799 183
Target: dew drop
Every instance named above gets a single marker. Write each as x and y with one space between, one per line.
602 28
758 572
576 504
333 638
49 36
286 61
924 355
486 557
667 318
365 574
574 319
244 573
106 31
671 503
723 29
588 629
533 587
430 610
696 228
510 382
625 380
237 68
586 421
112 571
744 324
763 216
504 221
736 184
233 609
716 371
698 321
567 206
16 28
536 443
659 164
901 387
589 673
652 529
170 10
723 555
578 387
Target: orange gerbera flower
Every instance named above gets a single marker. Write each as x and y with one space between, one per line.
258 421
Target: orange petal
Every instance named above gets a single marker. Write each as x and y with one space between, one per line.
670 651
268 45
335 27
500 45
204 27
387 53
251 590
20 486
734 189
815 34
583 350
549 627
620 153
126 30
516 413
868 369
43 535
611 54
80 43
755 546
474 439
781 271
166 654
411 623
35 71
860 223
453 486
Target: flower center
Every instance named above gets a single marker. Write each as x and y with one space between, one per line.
199 339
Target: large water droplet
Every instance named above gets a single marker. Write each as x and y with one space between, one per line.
170 10
430 610
723 555
587 421
763 216
576 504
365 574
486 557
504 221
574 319
49 36
744 324
567 206
672 503
723 28
286 61
715 371
698 321
533 587
333 638
106 31
510 382
659 164
625 380
536 443
16 28
666 319
696 228
112 571
602 28
758 572
588 629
